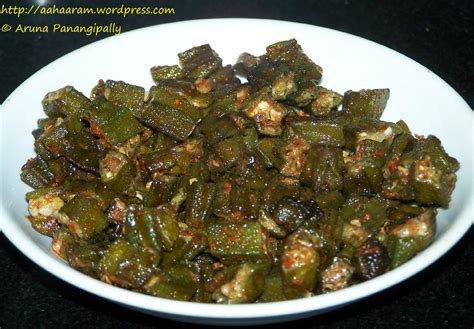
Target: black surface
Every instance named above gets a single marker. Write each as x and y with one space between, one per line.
437 34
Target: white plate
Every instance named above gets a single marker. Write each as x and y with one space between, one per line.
422 99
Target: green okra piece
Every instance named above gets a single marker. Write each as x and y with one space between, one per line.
46 225
64 102
406 240
299 265
166 224
284 85
199 62
234 243
190 244
323 169
168 120
294 156
366 103
337 275
370 129
70 139
246 286
141 230
268 149
204 264
290 53
125 265
432 174
83 217
116 171
218 126
251 139
178 282
114 123
62 242
272 288
159 190
325 102
122 94
166 72
266 113
332 200
86 257
319 133
39 173
225 154
198 204
369 213
181 97
364 169
176 160
224 76
290 214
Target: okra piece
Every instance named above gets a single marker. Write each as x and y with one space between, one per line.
369 213
176 160
116 171
246 286
115 124
433 173
39 173
323 169
234 243
190 244
371 129
267 113
337 275
283 85
290 214
168 120
272 288
166 223
86 257
125 265
319 133
64 102
62 242
370 260
70 139
366 103
268 150
83 217
299 265
218 126
166 72
198 204
325 102
46 225
225 154
408 239
122 94
199 62
182 96
290 53
141 230
294 156
177 282
364 169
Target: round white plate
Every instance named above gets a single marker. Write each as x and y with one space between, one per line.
418 96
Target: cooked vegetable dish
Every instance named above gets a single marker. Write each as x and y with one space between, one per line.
209 189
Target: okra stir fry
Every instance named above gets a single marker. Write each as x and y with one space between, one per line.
209 189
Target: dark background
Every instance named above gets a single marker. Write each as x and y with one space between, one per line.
437 34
